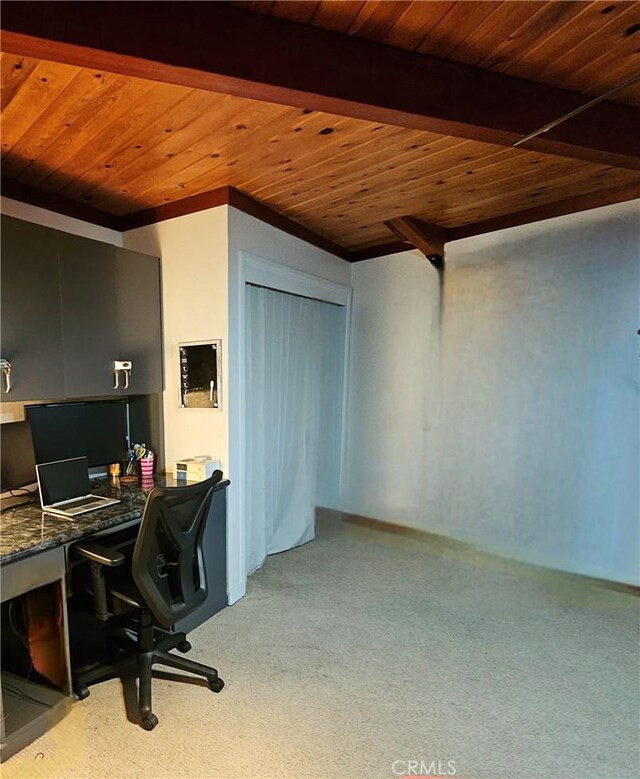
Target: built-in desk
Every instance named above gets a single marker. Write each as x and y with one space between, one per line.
26 530
34 554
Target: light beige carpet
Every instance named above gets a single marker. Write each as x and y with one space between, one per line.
362 651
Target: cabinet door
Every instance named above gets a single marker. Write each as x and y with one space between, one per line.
138 318
91 331
31 321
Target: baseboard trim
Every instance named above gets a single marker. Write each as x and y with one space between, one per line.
383 526
235 592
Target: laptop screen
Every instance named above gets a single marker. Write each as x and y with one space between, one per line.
63 479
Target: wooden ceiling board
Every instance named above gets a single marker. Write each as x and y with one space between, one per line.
448 160
573 186
362 159
141 103
579 21
404 171
571 44
492 31
588 35
216 155
462 195
31 99
546 18
261 7
375 18
112 169
348 152
197 139
13 72
371 233
283 159
335 16
122 145
244 170
596 37
77 104
456 25
415 24
295 10
80 128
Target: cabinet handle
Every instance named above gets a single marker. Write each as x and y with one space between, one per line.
124 366
5 367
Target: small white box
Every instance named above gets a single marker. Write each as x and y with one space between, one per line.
196 468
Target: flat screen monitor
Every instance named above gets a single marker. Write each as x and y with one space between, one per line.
18 463
96 430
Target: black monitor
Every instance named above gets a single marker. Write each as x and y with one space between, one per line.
17 460
96 430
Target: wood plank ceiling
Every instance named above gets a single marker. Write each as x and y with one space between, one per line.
586 47
122 144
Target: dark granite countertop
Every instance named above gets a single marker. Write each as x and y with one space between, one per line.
26 530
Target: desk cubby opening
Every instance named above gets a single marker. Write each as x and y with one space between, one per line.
34 679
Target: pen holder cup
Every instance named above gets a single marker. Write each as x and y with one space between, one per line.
146 469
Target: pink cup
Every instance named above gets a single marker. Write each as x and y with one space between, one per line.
146 469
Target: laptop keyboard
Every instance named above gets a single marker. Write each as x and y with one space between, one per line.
76 504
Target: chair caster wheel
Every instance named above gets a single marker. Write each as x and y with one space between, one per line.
216 685
81 692
149 722
184 646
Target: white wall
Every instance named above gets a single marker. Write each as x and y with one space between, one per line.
193 262
514 425
393 389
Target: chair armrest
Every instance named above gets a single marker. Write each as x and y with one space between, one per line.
98 553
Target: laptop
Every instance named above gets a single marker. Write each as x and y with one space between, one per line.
65 488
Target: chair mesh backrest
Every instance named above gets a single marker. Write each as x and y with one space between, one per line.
167 565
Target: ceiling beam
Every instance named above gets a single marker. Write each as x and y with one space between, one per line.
218 47
427 238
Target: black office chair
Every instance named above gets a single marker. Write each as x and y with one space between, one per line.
165 582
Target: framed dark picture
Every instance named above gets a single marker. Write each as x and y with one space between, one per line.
200 367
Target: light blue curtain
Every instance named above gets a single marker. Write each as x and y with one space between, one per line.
294 370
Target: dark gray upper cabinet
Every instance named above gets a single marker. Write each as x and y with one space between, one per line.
138 315
110 311
31 313
107 308
89 315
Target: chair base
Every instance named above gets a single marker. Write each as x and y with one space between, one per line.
138 660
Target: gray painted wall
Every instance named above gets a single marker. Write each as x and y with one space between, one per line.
509 419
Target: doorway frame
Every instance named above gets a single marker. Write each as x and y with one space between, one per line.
260 271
